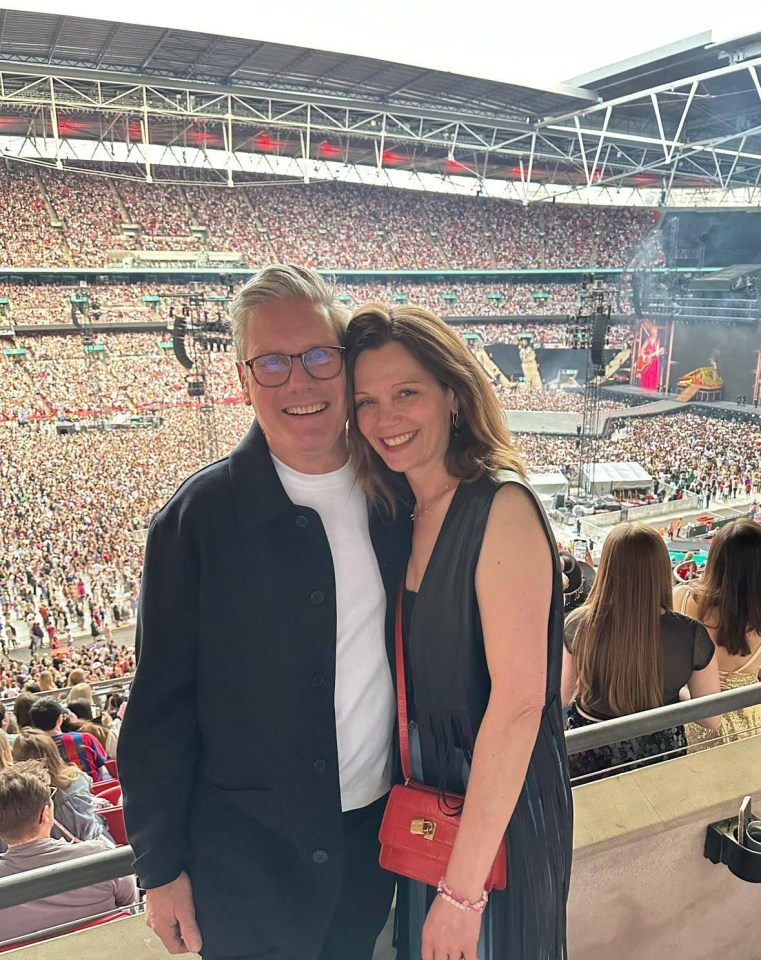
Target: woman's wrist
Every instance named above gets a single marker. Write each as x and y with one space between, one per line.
449 895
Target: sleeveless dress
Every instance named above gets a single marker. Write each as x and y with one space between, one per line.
735 724
448 691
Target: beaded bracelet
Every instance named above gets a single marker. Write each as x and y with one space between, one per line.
448 894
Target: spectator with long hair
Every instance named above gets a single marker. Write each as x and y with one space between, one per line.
627 651
22 709
74 806
727 600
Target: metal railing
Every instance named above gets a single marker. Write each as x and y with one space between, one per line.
98 867
98 687
606 732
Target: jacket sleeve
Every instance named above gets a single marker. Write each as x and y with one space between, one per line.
158 740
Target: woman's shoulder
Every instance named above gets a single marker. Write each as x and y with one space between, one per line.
678 626
679 622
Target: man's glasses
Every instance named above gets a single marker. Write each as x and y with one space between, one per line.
274 369
53 791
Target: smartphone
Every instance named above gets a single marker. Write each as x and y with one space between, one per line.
743 819
580 547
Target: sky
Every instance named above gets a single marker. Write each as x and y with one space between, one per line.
533 42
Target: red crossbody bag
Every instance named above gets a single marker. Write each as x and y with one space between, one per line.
420 823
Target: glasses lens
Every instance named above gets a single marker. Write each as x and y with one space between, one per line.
272 369
323 363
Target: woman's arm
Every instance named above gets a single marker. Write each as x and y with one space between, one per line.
514 587
701 684
568 680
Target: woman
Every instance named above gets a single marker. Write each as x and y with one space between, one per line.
728 602
483 610
86 722
74 807
626 651
22 709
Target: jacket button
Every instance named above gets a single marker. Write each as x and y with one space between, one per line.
317 597
320 856
318 680
302 521
318 766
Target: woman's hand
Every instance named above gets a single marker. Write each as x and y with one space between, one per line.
450 933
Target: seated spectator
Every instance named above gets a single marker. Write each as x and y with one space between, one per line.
22 707
26 819
83 691
627 651
46 681
728 602
85 722
82 749
76 677
74 806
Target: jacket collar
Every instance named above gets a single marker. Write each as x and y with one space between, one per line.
258 494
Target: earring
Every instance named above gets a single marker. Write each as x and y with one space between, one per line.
455 421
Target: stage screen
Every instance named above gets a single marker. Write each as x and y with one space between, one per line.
735 349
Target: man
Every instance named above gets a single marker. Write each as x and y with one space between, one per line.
83 749
26 818
253 795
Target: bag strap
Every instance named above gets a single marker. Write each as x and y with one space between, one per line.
401 691
750 661
67 833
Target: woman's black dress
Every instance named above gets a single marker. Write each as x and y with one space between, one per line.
449 686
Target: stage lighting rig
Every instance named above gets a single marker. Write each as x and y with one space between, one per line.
592 322
200 328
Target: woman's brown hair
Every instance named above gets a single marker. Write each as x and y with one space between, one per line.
22 709
481 441
729 593
33 744
617 641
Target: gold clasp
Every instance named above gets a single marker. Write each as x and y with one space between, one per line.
422 827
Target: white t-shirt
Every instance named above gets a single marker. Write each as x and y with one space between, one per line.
364 694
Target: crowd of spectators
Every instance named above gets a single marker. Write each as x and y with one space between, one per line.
138 371
70 668
73 530
695 454
88 219
39 304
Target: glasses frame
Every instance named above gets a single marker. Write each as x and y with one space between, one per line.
290 357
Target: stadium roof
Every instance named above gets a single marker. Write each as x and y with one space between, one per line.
686 115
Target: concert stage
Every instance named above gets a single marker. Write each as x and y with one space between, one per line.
657 403
543 421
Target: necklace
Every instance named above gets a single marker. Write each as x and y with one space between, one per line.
437 496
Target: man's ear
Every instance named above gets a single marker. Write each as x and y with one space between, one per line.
241 369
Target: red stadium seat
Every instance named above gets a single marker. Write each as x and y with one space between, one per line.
111 767
114 817
113 795
97 788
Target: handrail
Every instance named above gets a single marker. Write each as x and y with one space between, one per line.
69 875
605 732
97 686
97 867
